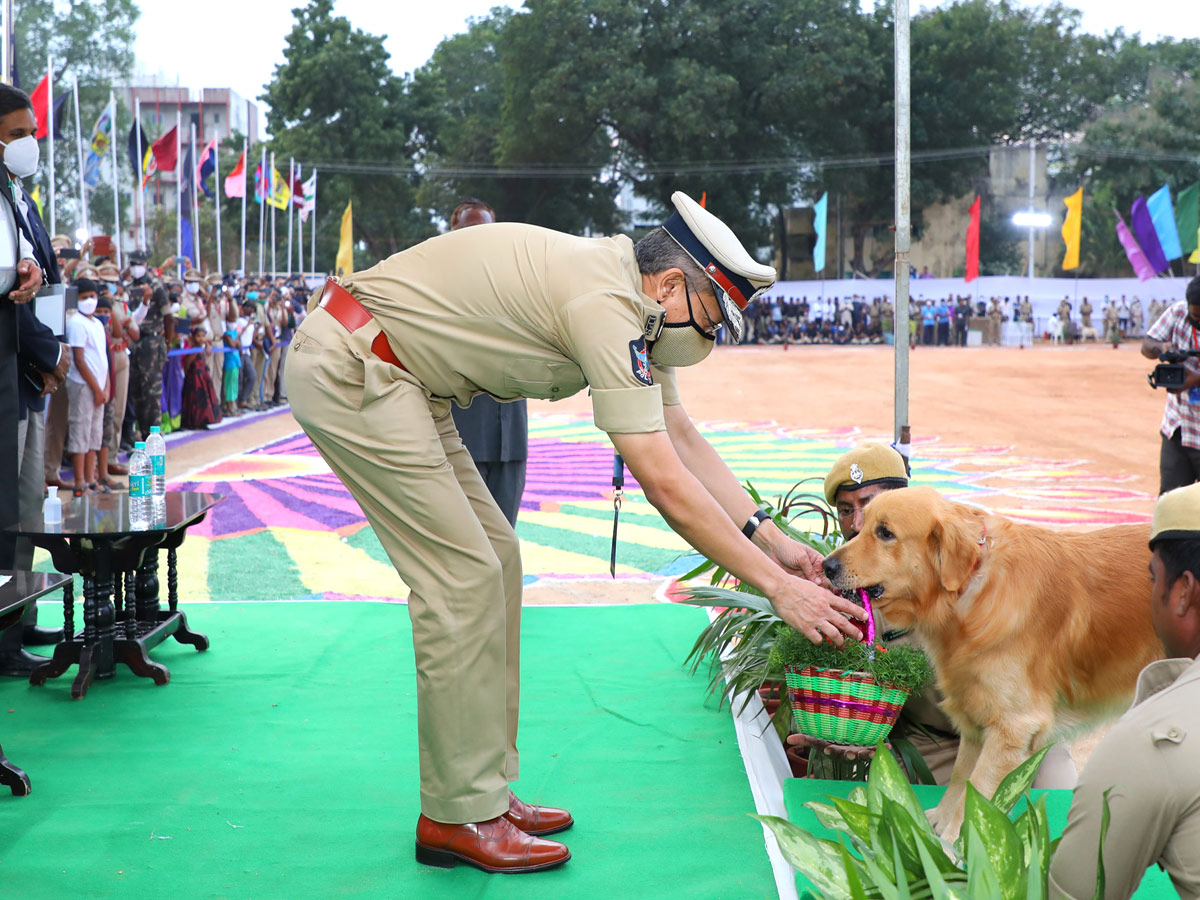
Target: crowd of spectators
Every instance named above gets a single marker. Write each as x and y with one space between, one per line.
161 345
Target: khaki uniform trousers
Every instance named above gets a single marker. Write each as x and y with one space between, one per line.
398 453
120 372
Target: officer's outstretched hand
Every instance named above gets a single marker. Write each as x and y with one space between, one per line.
815 612
801 560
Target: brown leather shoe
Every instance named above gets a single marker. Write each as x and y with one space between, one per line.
496 845
537 820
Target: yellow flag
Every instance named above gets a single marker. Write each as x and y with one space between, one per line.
1072 225
345 257
281 194
36 197
1195 257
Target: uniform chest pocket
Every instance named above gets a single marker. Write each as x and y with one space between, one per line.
543 380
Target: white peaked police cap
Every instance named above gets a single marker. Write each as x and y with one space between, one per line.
737 278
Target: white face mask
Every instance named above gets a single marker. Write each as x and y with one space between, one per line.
192 287
137 271
681 343
88 306
21 156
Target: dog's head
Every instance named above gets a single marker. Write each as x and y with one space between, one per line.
915 549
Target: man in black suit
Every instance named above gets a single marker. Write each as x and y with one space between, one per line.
495 434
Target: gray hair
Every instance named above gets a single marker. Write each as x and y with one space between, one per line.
658 251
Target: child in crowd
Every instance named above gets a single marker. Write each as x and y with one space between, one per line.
233 363
87 387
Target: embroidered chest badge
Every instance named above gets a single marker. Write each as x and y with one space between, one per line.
641 361
856 474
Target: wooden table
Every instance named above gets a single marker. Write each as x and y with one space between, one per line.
18 591
122 616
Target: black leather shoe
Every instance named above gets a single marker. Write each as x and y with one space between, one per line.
21 663
33 636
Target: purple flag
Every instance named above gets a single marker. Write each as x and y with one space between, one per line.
1143 227
1137 259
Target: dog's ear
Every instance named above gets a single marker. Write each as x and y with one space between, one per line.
955 550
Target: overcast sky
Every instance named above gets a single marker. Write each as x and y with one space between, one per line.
237 44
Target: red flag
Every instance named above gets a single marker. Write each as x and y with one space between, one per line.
235 181
973 243
41 110
165 152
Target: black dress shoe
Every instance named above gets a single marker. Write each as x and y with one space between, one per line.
20 663
33 636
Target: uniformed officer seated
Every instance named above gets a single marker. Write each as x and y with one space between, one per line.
513 311
1150 761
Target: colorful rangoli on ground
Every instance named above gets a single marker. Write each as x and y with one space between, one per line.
289 530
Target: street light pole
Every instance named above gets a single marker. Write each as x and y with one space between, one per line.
903 216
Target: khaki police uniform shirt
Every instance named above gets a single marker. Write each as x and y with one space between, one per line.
1151 760
516 311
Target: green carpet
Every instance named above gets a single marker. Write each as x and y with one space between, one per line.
282 763
798 791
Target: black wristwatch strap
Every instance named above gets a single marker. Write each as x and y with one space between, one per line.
753 522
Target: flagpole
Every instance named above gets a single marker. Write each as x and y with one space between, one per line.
217 200
271 199
178 184
50 116
299 228
195 203
112 145
245 184
79 152
262 209
291 204
312 231
139 191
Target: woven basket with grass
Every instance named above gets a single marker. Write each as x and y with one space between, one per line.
842 707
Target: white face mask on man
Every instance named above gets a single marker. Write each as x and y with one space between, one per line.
21 156
137 271
192 287
681 343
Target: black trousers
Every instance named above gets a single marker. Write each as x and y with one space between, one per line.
1178 466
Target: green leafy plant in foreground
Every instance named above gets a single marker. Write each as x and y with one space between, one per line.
887 850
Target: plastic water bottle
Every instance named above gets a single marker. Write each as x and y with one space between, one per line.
52 509
141 501
156 449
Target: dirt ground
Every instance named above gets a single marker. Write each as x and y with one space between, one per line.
1083 402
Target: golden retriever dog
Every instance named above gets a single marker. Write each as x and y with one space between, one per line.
1032 633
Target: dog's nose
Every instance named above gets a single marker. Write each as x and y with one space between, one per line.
832 567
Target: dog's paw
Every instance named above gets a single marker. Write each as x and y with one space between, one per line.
946 821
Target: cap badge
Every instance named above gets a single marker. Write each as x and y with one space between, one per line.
856 474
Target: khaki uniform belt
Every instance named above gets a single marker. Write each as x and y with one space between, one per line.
340 303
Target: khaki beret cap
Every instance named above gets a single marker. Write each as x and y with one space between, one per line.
865 465
1177 515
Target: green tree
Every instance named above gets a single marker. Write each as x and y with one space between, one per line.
335 104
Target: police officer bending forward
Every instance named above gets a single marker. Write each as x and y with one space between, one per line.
519 311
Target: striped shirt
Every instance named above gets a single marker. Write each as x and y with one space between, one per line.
1173 328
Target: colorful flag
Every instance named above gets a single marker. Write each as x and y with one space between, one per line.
36 196
101 138
1163 219
235 181
260 184
1147 237
1072 226
137 137
1141 266
345 254
820 223
972 271
1187 219
186 192
40 98
208 165
166 152
297 187
308 197
281 194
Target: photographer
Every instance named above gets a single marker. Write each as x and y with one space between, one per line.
1172 335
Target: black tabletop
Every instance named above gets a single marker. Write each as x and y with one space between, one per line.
107 515
22 587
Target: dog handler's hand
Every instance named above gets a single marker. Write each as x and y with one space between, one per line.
815 612
803 561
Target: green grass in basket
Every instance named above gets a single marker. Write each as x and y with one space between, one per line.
906 668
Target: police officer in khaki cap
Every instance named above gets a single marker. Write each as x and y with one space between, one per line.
857 477
1151 758
516 311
